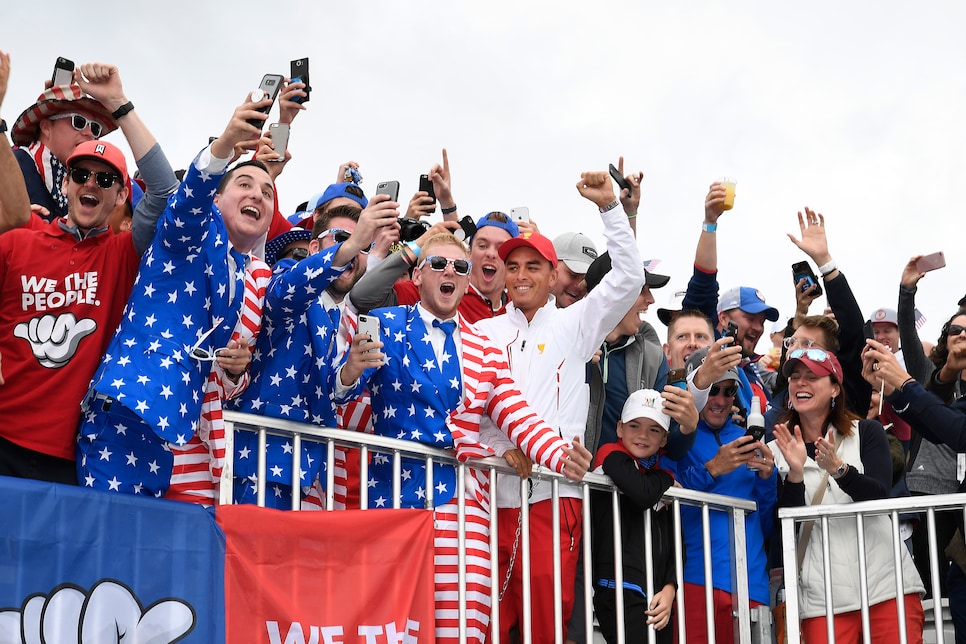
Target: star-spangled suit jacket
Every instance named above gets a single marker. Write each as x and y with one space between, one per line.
407 404
294 363
181 292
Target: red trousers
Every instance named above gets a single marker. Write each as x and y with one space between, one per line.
541 567
883 624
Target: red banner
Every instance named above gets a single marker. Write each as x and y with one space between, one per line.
347 577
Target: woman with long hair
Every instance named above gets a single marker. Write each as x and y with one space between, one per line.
822 445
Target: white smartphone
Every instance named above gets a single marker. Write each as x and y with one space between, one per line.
369 324
279 133
521 214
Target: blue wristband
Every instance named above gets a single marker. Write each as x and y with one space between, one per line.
709 228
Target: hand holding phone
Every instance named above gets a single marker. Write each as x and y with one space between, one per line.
520 214
299 71
466 230
426 185
678 378
279 133
803 270
369 325
390 188
63 72
931 262
268 89
731 331
622 183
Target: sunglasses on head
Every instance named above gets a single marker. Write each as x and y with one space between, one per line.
954 330
79 122
792 342
728 392
104 179
438 263
815 355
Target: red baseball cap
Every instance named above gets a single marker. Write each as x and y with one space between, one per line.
536 241
103 152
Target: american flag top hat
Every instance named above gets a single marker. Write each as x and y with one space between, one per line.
60 99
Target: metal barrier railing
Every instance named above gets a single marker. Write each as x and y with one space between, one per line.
860 512
368 444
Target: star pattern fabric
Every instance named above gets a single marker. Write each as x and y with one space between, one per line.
59 171
181 298
293 367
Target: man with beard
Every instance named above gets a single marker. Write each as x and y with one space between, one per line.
299 343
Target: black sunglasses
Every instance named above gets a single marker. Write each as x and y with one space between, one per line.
954 330
297 253
104 179
728 393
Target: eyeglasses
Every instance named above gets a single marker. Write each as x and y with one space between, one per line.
79 122
296 253
201 354
816 355
728 392
338 234
104 179
792 342
439 264
954 330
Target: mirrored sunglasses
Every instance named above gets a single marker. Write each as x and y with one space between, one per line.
297 253
438 263
338 234
79 122
104 179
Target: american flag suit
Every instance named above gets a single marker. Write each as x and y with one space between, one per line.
182 291
407 403
292 373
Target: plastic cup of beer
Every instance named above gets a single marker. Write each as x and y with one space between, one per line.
729 186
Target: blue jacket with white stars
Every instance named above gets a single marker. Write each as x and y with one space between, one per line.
182 291
294 363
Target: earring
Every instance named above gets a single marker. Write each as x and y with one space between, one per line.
833 403
788 403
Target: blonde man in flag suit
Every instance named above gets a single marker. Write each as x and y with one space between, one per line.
183 344
433 377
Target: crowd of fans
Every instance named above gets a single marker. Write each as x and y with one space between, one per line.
134 307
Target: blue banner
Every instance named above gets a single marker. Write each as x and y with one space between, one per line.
85 566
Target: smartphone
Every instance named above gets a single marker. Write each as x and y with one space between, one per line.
390 188
757 433
466 230
63 72
868 331
803 270
369 324
521 214
271 85
300 72
678 378
279 133
732 332
622 183
928 263
425 185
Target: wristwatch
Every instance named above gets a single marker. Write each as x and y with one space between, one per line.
840 472
610 206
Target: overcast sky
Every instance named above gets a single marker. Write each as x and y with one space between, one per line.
855 109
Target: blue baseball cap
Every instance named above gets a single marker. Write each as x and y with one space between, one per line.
509 225
749 300
336 190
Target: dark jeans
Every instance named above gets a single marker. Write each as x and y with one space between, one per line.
956 584
27 464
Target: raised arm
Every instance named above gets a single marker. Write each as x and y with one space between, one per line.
14 202
103 82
